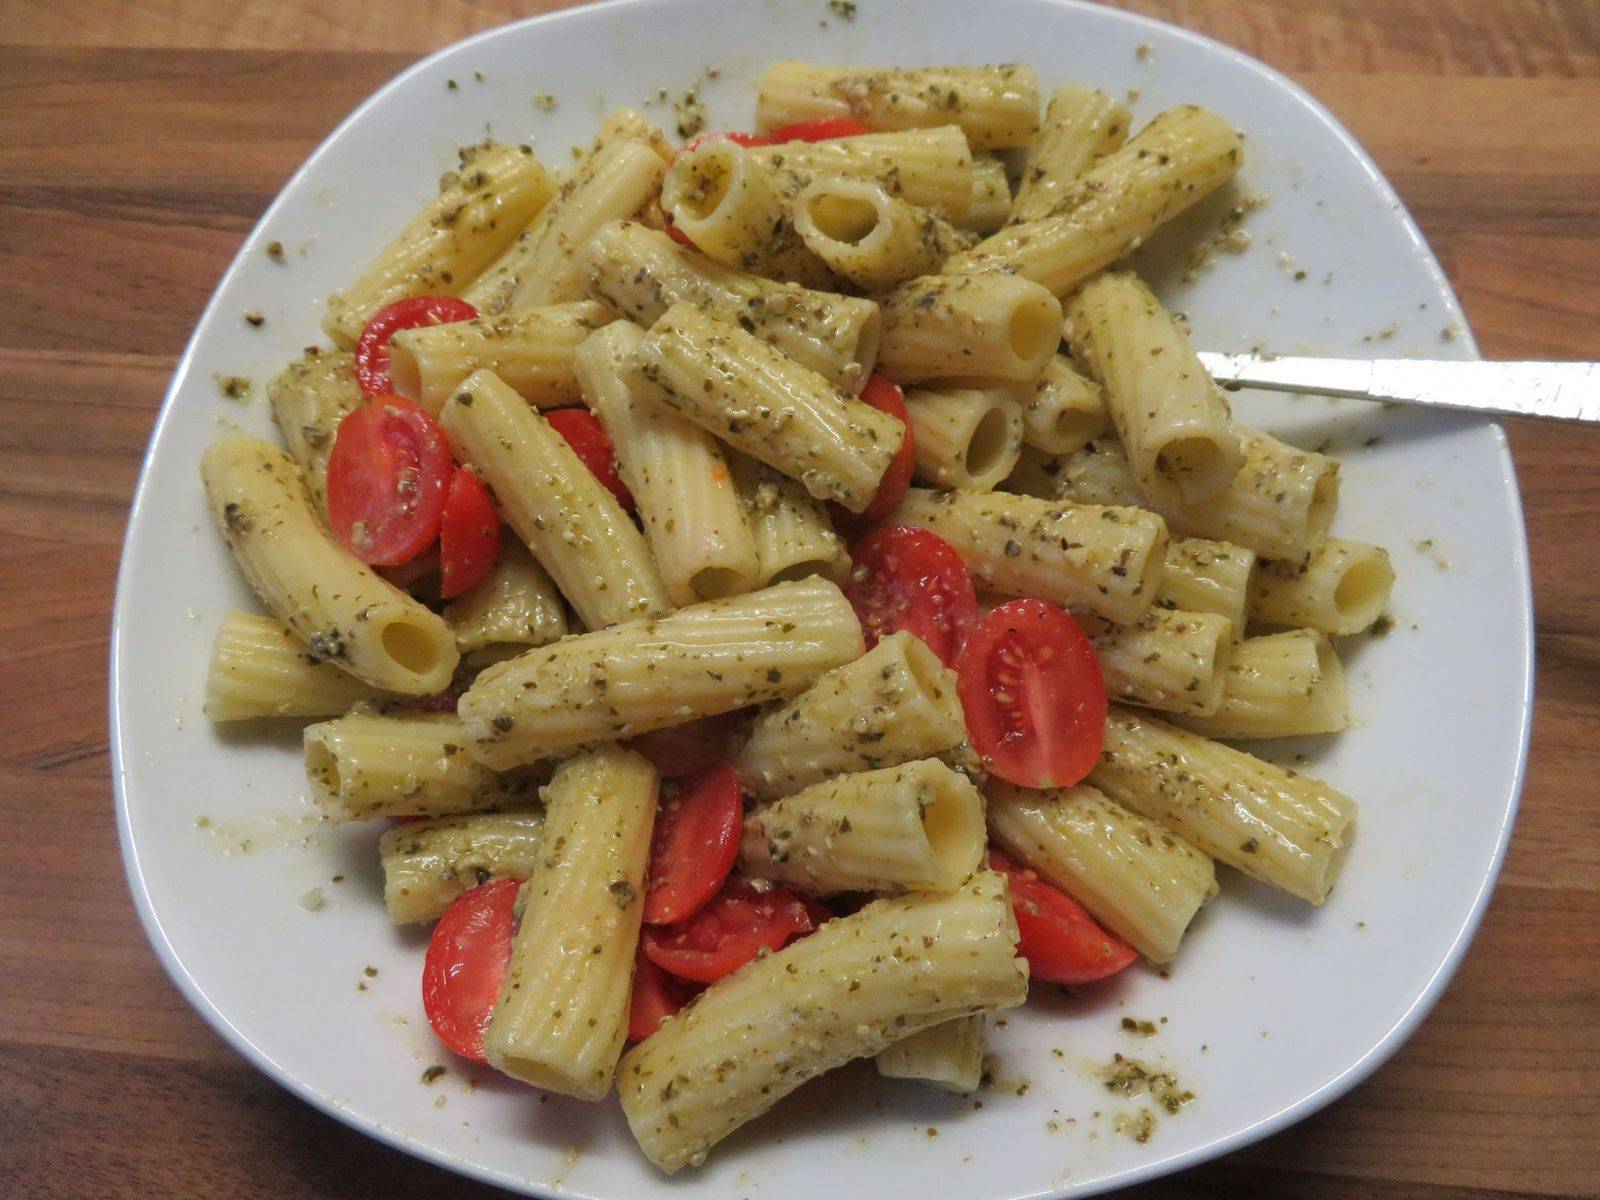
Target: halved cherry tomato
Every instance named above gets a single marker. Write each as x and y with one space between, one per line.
588 438
692 747
679 236
909 578
387 475
1061 941
656 996
466 965
730 931
469 535
885 397
817 131
695 843
372 348
1033 696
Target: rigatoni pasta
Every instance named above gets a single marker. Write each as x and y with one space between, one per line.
870 238
1167 659
968 326
427 864
1062 410
515 604
931 168
309 398
1081 126
261 668
793 534
1340 587
1287 684
1205 576
967 439
948 1056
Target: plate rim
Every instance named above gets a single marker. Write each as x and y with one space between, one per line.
1341 1084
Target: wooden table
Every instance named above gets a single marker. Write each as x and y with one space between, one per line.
140 140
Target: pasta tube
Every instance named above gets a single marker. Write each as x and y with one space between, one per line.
1081 126
1171 417
613 181
699 661
1105 560
1204 576
365 764
847 991
917 827
641 273
427 864
531 350
931 168
794 537
991 196
572 523
1172 164
260 668
342 609
1174 661
1062 410
1341 587
735 386
967 439
1282 685
563 1012
870 238
1277 826
496 190
309 398
949 1056
516 603
692 514
991 326
894 704
1138 879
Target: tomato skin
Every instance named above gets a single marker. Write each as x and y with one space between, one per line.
372 348
656 996
466 965
694 845
743 139
1060 940
469 535
737 924
679 236
692 747
387 476
824 130
1033 696
588 438
885 397
909 578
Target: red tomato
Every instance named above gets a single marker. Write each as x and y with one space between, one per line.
691 747
656 996
469 535
695 843
818 131
730 931
885 397
372 348
387 475
584 433
466 965
1031 689
1060 940
908 578
744 139
679 236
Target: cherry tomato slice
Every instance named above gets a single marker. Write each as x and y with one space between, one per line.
469 535
817 131
372 348
1060 940
679 236
588 438
466 964
730 931
695 843
1033 696
656 996
909 578
387 475
692 747
885 397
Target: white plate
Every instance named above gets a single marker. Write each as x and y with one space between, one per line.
1273 1010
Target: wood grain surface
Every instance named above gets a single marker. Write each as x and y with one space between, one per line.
139 141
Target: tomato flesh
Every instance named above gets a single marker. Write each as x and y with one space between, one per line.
692 747
466 965
1034 700
372 348
817 131
694 845
656 996
885 397
1060 940
908 578
736 925
388 473
589 440
469 535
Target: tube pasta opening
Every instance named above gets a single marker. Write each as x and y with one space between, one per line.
1035 328
411 647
